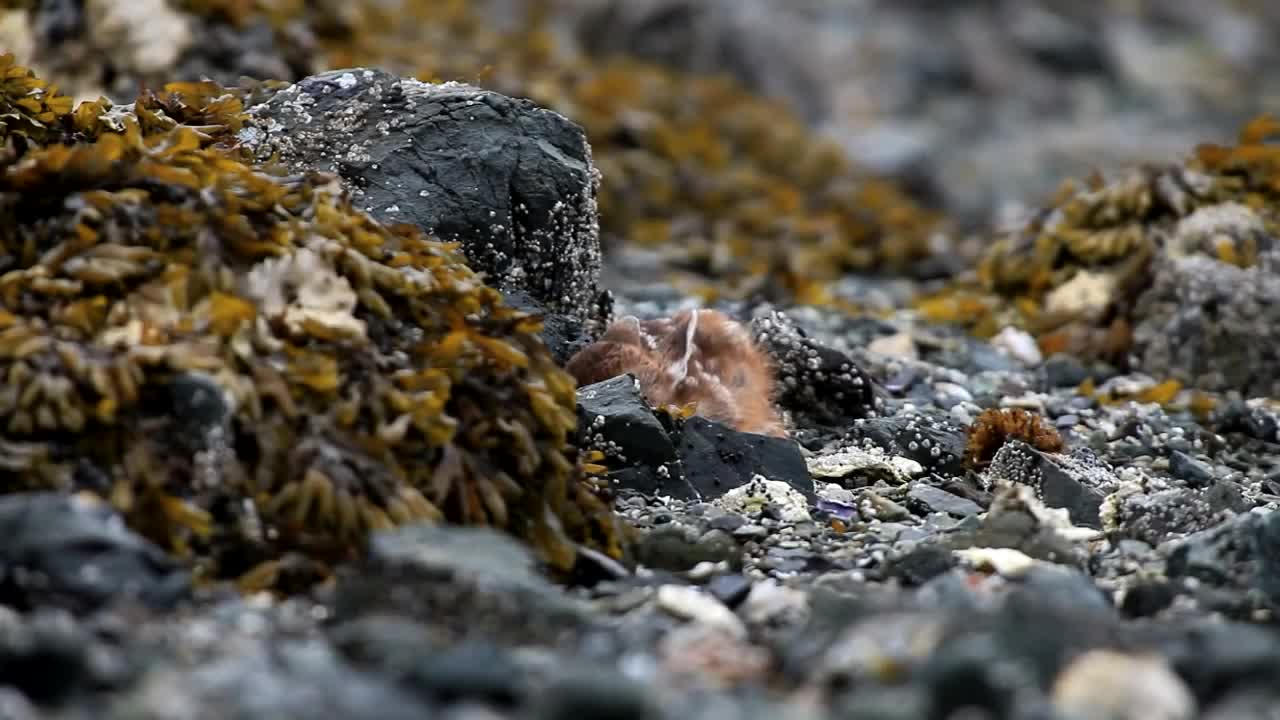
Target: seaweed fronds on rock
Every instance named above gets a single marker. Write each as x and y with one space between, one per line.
735 188
1076 268
247 365
995 426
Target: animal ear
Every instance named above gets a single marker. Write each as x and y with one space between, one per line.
625 330
600 361
679 344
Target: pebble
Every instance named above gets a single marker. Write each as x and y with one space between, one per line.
1105 685
690 603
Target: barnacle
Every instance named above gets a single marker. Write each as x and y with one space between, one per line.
995 426
247 366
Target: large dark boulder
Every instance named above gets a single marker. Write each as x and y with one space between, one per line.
512 181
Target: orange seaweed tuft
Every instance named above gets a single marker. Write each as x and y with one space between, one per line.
995 426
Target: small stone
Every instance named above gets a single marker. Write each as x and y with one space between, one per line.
1007 562
730 589
1018 344
690 603
1183 466
1061 370
1106 685
934 499
758 494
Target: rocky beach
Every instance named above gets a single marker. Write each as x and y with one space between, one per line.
655 359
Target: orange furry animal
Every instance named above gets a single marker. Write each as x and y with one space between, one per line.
696 356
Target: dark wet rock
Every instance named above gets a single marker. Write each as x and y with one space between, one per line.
717 459
1077 482
818 384
1185 467
1240 556
933 499
613 417
677 547
202 416
920 564
467 583
51 658
696 459
930 439
67 552
563 334
512 181
730 589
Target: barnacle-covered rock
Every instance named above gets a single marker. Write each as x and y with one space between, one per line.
348 375
511 181
816 383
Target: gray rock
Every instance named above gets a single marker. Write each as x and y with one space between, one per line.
934 499
1183 466
63 551
1212 325
283 679
1078 482
513 182
469 583
614 417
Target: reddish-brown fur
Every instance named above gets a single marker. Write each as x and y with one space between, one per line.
717 366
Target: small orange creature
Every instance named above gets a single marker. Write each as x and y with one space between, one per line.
702 357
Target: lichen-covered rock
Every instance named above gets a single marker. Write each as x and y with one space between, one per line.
512 182
1212 325
342 375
